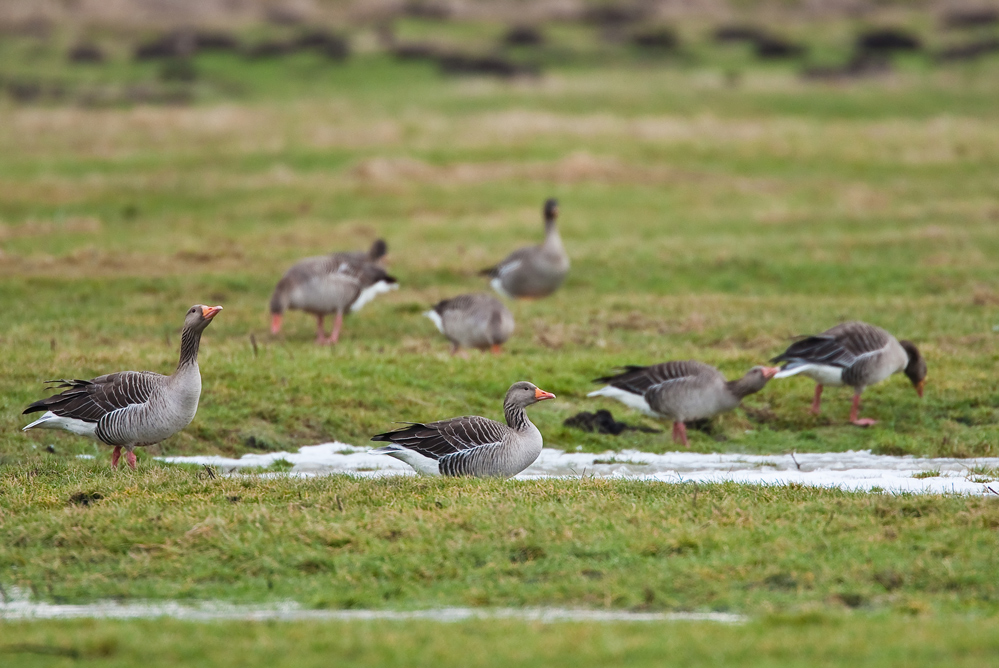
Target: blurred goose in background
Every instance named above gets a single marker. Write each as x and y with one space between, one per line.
331 284
681 391
855 354
131 409
473 321
536 271
472 445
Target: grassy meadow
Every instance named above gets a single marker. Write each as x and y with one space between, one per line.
707 215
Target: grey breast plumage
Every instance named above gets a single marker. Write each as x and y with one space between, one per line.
473 320
472 445
854 353
131 408
536 271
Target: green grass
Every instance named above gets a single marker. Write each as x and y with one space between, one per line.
83 531
704 221
803 640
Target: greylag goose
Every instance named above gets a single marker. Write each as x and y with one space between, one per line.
681 391
332 283
536 271
855 354
130 409
472 445
473 321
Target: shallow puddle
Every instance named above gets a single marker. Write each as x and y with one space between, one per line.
852 470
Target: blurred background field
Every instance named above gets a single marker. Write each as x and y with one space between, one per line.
730 174
719 195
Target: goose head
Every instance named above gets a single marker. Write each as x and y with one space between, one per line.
524 394
915 370
199 316
551 211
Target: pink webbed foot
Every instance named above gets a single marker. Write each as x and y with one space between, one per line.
130 459
864 422
115 456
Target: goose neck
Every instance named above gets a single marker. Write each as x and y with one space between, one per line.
516 416
190 341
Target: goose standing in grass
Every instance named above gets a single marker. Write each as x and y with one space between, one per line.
536 271
855 354
130 409
472 445
329 284
681 391
473 321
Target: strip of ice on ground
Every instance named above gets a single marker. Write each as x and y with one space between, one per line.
853 470
17 605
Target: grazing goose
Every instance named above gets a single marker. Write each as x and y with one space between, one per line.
473 321
855 354
536 271
681 391
130 409
331 284
471 445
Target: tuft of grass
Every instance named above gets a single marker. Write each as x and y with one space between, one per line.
931 473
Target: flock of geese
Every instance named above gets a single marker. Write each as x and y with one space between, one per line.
131 409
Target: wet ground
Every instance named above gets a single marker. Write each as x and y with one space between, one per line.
852 470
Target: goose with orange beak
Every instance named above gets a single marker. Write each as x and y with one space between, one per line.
472 446
854 353
130 409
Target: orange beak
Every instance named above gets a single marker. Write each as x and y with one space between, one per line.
919 388
770 371
210 312
541 395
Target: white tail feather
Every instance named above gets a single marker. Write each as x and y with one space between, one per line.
370 292
435 317
629 399
50 420
422 465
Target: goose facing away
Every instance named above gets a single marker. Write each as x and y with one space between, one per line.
535 271
471 445
473 321
856 354
329 284
130 409
681 391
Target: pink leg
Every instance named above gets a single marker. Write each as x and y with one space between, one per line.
860 422
817 401
680 433
275 323
130 459
320 330
337 324
115 455
496 349
683 435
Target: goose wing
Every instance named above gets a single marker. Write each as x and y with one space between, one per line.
447 437
510 263
642 380
840 346
90 400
